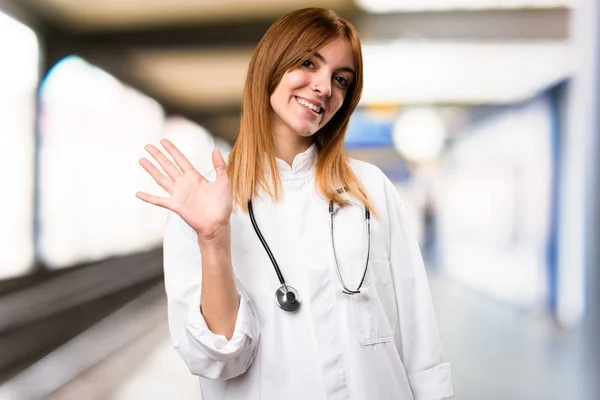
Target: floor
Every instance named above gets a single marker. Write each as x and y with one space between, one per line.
496 351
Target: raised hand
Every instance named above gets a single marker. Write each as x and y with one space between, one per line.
205 206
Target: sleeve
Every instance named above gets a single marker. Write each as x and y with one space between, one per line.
418 339
206 354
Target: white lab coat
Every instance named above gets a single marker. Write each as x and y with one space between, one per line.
380 344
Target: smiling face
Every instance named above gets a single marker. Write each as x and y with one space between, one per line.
308 96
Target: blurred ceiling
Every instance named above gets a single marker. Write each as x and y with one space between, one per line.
191 55
101 15
210 79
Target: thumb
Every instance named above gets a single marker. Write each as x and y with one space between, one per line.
219 162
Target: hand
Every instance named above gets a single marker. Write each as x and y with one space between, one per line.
205 206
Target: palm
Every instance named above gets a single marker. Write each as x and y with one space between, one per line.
205 206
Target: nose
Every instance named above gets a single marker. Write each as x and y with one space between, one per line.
322 85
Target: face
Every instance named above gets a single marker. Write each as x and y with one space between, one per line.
308 96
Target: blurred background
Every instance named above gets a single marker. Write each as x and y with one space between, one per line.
483 112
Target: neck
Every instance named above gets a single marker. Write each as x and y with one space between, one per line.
287 148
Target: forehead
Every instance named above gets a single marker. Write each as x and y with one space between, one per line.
338 53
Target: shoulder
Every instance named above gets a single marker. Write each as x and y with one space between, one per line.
365 171
176 227
372 178
382 190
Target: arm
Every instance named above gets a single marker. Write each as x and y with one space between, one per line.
217 340
196 336
418 339
220 301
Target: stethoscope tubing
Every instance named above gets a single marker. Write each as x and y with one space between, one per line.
283 292
264 243
332 213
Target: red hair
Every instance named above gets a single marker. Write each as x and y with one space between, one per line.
286 44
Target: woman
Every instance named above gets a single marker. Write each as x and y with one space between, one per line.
264 301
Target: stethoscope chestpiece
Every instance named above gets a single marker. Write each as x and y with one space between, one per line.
288 298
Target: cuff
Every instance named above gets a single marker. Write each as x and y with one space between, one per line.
217 346
432 384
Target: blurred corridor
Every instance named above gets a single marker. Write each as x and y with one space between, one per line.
497 352
484 114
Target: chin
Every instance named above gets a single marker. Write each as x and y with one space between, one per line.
304 130
305 133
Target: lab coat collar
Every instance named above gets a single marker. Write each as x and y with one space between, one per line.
302 165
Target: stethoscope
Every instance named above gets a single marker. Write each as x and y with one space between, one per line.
288 298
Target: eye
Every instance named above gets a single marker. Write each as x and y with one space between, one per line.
308 64
342 82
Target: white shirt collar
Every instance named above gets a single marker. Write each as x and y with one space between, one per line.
302 164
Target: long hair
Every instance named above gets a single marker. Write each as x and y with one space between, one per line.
286 44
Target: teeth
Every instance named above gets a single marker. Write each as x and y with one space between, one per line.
305 103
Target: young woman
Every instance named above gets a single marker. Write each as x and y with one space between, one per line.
292 272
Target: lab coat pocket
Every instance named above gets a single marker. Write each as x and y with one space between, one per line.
374 309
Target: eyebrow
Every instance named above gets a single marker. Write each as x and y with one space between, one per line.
346 69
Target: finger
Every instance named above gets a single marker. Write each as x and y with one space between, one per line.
163 202
181 160
172 171
219 162
158 176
